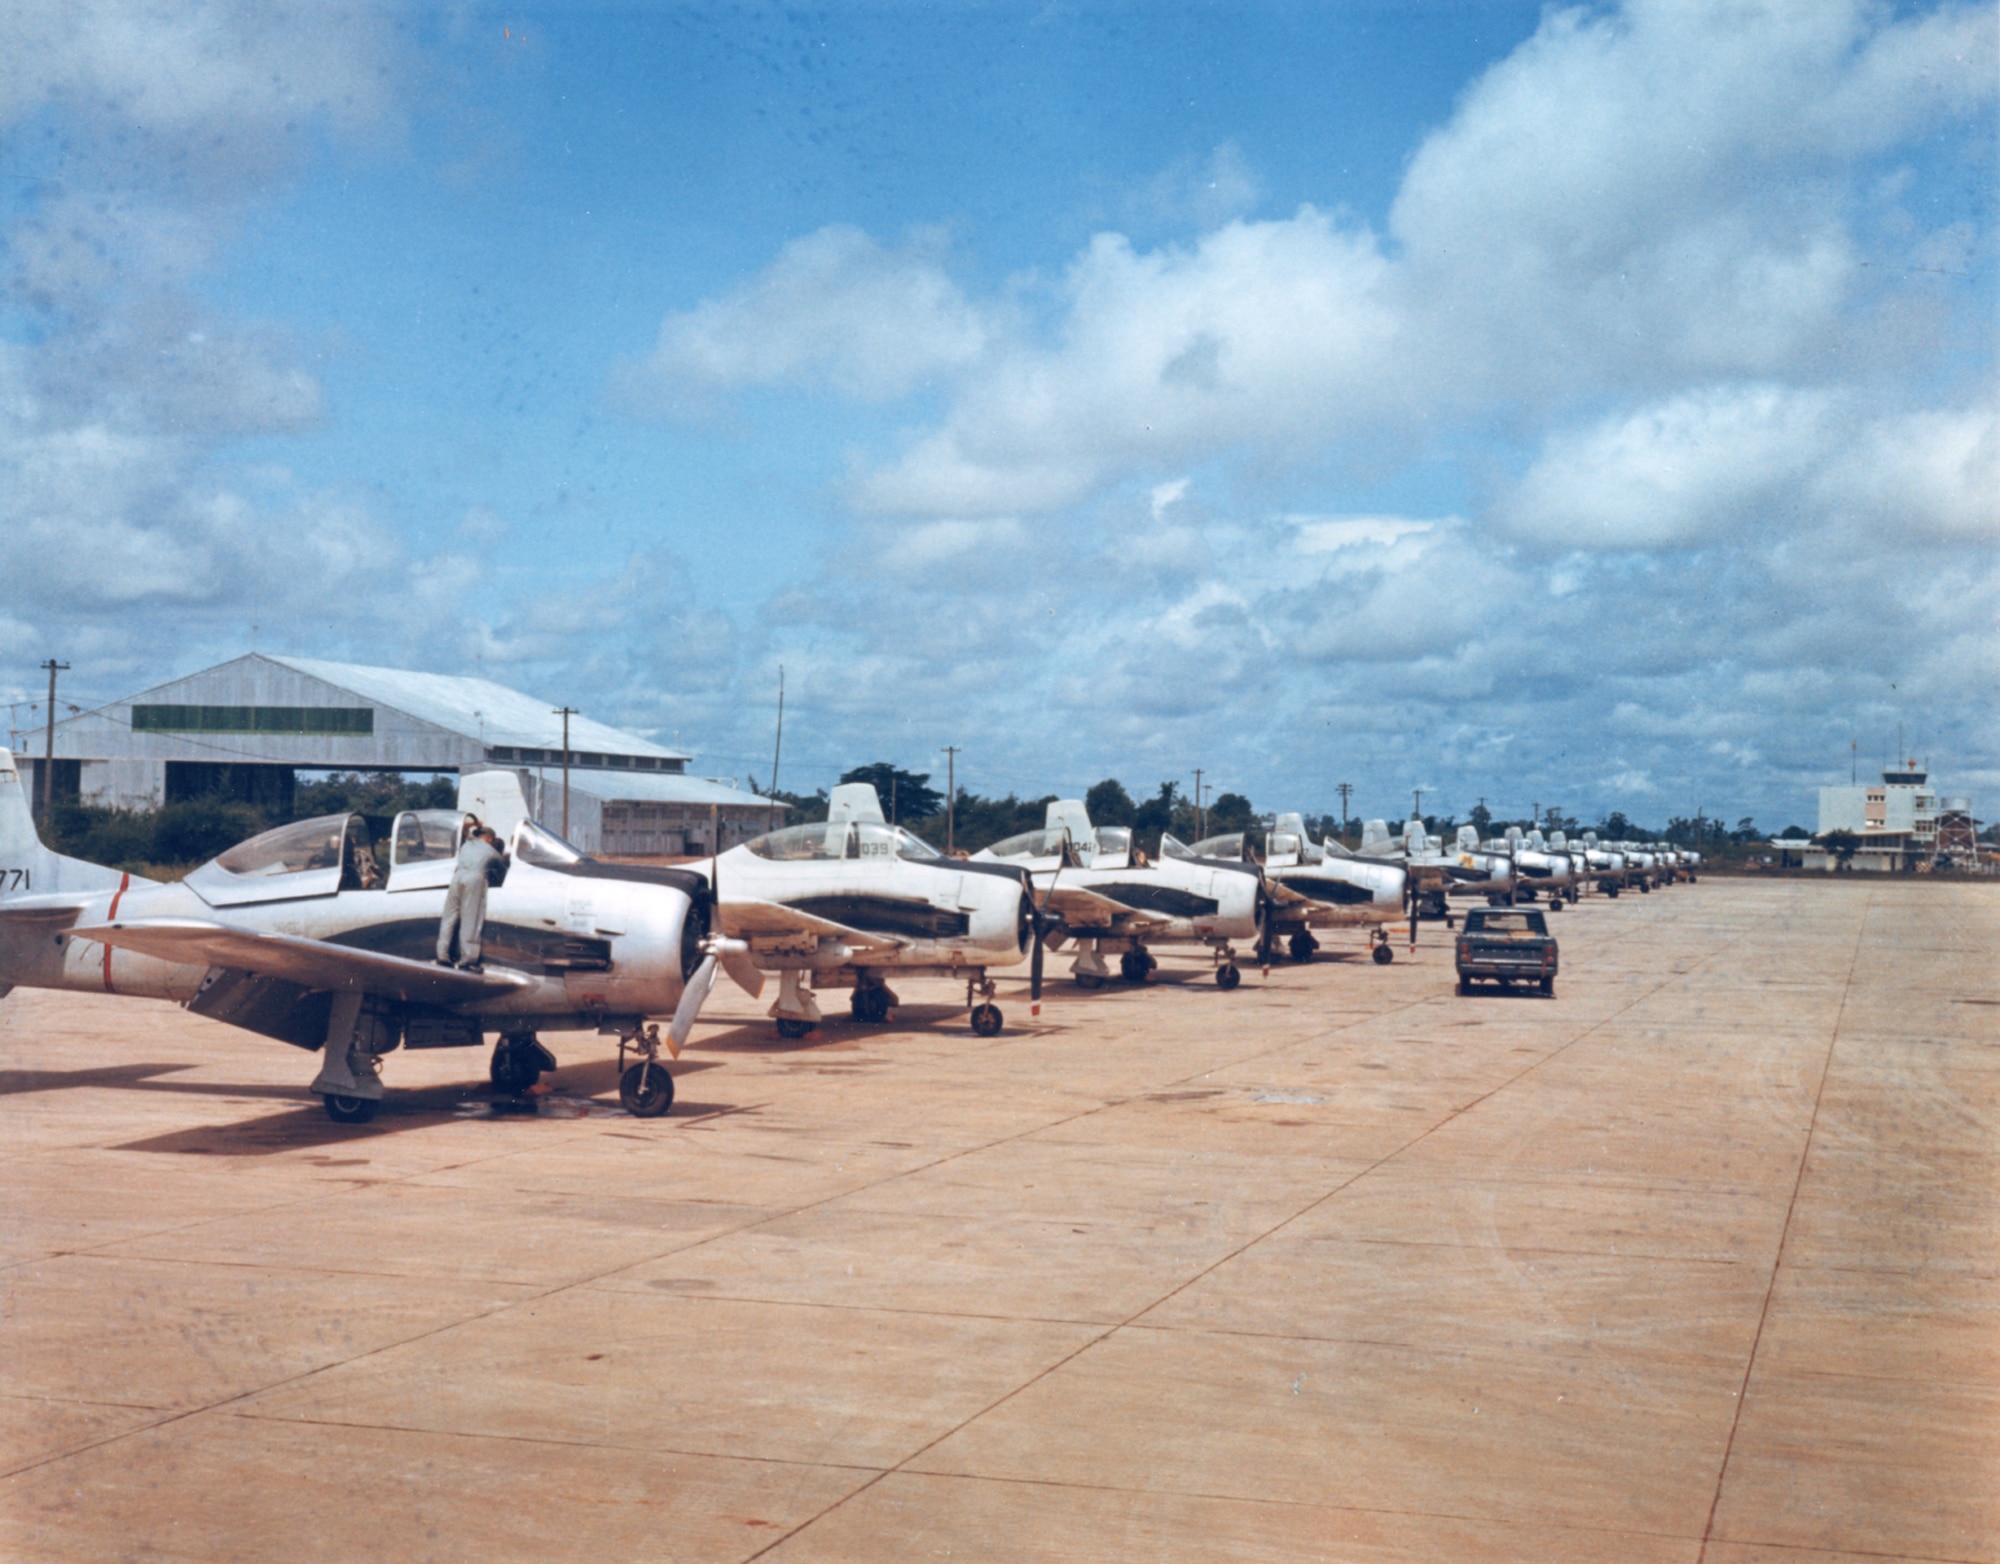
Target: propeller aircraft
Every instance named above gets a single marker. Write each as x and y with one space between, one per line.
1320 885
842 903
1109 898
298 935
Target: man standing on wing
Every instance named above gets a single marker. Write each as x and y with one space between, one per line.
480 862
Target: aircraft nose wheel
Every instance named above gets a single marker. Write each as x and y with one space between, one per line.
349 1110
986 1019
1384 955
1227 977
646 1090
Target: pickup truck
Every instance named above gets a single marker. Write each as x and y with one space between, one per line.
1506 944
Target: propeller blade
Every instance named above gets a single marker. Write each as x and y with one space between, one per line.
1035 973
692 999
743 972
717 953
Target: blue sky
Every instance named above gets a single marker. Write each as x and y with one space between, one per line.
1591 406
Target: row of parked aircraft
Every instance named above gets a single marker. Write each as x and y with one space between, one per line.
299 934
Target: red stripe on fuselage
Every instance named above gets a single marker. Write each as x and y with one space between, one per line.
123 881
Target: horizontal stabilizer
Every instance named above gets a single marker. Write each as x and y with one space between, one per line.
311 963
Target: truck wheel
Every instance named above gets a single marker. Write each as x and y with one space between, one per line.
1465 986
1549 987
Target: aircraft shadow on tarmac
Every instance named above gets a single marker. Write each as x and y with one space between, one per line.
588 1088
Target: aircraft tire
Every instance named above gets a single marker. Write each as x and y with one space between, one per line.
514 1068
1227 977
870 1005
787 1027
1133 966
1303 946
986 1020
1089 980
1611 891
646 1090
1384 955
349 1110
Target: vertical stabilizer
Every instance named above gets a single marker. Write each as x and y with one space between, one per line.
855 801
1468 838
1068 814
27 868
1374 835
497 797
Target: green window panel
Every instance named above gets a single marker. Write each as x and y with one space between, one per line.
338 720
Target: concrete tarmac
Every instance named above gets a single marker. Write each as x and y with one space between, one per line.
1696 1261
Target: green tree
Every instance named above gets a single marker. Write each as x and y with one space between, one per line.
905 795
1230 812
1109 803
1156 815
1842 844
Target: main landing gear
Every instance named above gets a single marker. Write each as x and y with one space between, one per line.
872 1000
518 1062
1089 969
1302 946
795 1009
1136 964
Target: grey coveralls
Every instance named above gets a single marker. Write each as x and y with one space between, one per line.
465 901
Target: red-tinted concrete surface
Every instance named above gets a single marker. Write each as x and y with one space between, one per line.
1695 1261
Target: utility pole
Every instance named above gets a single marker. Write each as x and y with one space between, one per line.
49 756
892 798
1417 793
950 795
778 747
565 712
1198 832
1346 791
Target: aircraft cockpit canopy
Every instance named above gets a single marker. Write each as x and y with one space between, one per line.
840 840
305 858
538 845
426 835
1233 845
1047 843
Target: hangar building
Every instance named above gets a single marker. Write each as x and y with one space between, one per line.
246 728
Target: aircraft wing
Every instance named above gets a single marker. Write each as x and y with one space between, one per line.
311 963
1085 912
37 913
764 919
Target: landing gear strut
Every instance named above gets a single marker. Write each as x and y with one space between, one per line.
645 1089
986 1017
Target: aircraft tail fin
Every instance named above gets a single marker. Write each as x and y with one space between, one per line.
27 868
855 801
1468 838
1374 835
1415 837
1069 814
497 797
